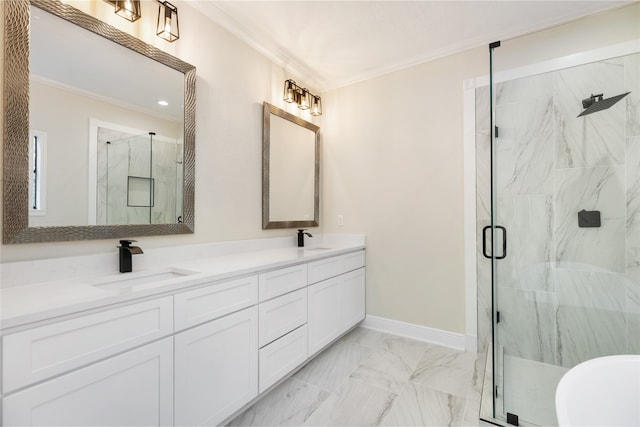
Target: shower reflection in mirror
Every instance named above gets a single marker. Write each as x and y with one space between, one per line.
141 183
138 177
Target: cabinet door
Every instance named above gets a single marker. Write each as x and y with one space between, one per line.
352 298
323 315
216 368
132 389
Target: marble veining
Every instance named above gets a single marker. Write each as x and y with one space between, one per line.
375 379
290 404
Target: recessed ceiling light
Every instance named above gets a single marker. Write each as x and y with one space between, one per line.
163 103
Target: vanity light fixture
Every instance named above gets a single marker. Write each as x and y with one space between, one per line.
128 9
316 105
302 97
290 91
168 22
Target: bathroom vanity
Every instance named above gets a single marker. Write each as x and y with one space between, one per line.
189 343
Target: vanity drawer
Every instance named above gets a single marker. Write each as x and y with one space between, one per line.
324 269
282 356
334 266
208 303
279 282
281 315
352 261
43 352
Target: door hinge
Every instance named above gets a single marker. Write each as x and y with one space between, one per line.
497 317
496 131
496 391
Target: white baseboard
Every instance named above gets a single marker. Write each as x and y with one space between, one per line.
420 333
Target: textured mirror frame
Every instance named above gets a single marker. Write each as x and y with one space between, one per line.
15 133
267 111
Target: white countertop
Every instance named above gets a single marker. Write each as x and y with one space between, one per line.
22 304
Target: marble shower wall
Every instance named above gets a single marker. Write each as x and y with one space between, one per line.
565 293
135 156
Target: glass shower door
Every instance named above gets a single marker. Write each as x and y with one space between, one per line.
565 204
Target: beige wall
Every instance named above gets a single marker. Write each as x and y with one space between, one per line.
392 159
393 167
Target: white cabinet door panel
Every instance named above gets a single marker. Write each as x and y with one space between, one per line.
324 314
208 303
40 353
132 389
282 356
352 299
282 315
216 368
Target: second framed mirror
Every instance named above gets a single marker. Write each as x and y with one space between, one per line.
290 170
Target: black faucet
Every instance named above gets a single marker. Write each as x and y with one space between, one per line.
301 234
125 251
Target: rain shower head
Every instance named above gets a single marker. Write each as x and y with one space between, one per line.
596 103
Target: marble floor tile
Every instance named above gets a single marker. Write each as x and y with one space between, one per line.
330 368
420 405
289 404
445 370
365 337
370 378
471 415
391 365
353 404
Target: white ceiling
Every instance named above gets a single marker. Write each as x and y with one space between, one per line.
67 56
335 43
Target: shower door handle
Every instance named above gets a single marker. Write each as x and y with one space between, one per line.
504 242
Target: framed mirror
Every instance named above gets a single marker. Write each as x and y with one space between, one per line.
290 170
85 111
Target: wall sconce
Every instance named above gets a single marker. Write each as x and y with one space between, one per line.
316 105
128 9
168 22
167 26
301 96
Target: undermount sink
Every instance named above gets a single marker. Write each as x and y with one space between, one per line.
600 392
133 282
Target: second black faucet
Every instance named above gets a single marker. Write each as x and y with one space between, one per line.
125 251
301 233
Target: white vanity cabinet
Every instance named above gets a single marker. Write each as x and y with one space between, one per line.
94 369
336 296
189 357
